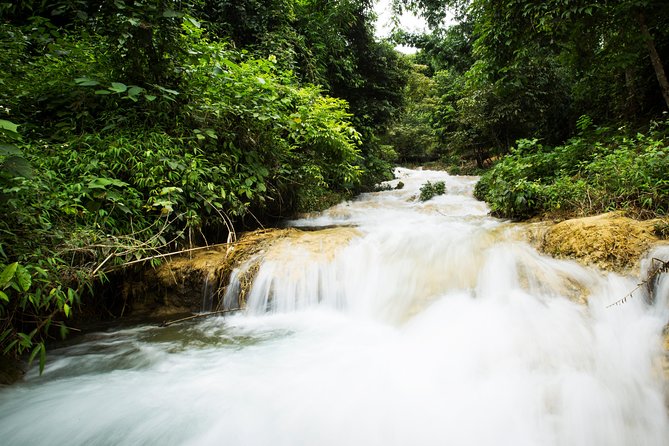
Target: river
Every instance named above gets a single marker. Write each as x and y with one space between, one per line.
402 323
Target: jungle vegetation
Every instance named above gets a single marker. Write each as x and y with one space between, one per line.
134 128
131 128
562 102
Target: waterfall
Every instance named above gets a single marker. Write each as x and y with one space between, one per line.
386 321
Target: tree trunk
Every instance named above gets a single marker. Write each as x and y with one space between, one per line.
632 103
655 58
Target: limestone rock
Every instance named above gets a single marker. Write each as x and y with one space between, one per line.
610 241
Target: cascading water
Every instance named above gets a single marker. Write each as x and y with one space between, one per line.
399 323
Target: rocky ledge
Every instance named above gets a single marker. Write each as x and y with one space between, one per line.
611 241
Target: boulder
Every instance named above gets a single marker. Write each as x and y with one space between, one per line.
609 241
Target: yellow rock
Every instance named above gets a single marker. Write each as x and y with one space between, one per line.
610 241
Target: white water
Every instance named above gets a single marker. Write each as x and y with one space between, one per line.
429 324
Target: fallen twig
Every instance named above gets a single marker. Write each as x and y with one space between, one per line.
169 254
662 269
199 315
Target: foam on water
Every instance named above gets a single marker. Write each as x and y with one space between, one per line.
431 326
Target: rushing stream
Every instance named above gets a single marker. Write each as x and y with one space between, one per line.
402 323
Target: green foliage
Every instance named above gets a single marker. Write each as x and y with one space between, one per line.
413 136
595 172
143 129
524 69
430 190
443 49
31 306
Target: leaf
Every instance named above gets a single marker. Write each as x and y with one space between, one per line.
8 274
23 278
170 13
17 166
150 97
63 331
167 90
230 64
4 297
86 82
5 334
102 183
24 340
9 126
34 353
8 149
10 346
72 295
134 90
42 358
41 349
194 22
118 87
66 310
170 189
102 92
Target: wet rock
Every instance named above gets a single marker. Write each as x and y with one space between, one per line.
11 371
609 241
176 286
179 282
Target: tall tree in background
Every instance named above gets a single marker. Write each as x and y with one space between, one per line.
619 34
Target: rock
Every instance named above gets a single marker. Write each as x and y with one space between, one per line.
10 371
176 286
609 241
180 281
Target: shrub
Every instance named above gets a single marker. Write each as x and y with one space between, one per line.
596 172
430 190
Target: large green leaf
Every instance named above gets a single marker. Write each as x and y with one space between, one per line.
16 166
9 129
102 183
9 126
23 278
9 149
118 87
7 274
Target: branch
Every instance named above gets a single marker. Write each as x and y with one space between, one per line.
199 315
662 269
169 254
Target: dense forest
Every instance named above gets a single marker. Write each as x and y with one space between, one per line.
133 128
563 101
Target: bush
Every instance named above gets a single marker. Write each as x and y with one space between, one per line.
430 190
596 172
